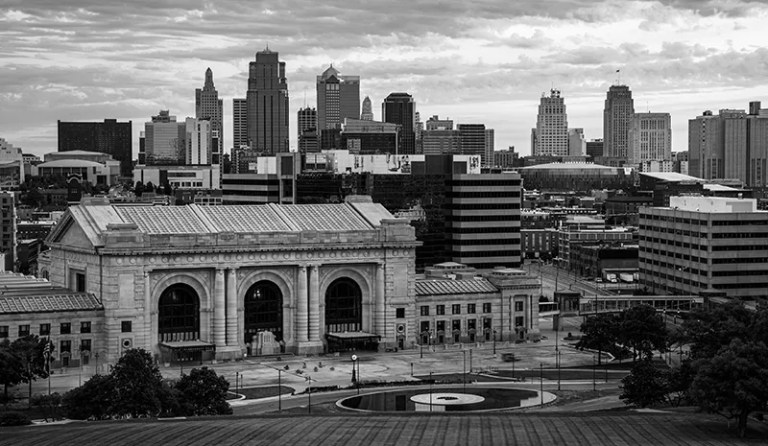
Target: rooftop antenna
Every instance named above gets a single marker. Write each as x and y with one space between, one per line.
305 98
618 77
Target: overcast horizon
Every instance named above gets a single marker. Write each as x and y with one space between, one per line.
478 62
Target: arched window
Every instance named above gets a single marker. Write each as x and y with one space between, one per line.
343 306
179 314
263 307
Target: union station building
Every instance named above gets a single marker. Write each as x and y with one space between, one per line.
193 283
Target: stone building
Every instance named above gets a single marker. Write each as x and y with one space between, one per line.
216 282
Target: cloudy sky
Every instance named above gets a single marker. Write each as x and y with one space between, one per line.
481 61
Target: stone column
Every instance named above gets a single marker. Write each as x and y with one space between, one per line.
149 337
314 303
302 306
233 340
219 311
380 317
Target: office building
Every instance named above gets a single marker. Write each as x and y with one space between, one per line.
594 148
8 229
267 100
92 167
472 140
483 219
308 133
704 243
731 144
551 134
269 179
199 142
338 97
650 138
110 136
618 111
244 160
240 123
367 113
11 166
400 108
577 145
209 106
369 137
489 147
164 141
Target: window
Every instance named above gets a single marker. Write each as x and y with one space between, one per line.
85 327
3 331
23 330
66 328
45 329
77 280
400 313
425 310
487 307
85 345
518 306
66 346
456 309
440 310
456 325
126 326
471 309
519 321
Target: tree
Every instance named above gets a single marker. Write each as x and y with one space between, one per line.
10 367
643 330
92 400
167 189
139 188
204 393
138 385
734 382
645 385
708 331
599 333
29 351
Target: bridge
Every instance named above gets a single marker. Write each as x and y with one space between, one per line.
615 304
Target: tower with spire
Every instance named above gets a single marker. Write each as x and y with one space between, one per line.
338 97
209 106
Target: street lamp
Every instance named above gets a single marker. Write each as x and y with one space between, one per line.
494 342
354 376
464 370
594 376
541 382
279 390
309 394
430 390
558 370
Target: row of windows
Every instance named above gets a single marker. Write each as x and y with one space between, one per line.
681 269
494 242
678 243
511 253
486 194
497 230
739 273
45 329
458 183
484 217
676 255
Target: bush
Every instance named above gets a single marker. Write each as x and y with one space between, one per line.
14 419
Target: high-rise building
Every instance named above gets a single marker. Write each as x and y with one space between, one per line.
239 123
367 113
267 99
199 141
551 126
703 243
209 106
11 166
8 229
307 123
577 145
731 144
472 140
489 147
400 108
435 123
418 130
595 148
619 108
483 219
110 137
164 141
368 137
338 97
650 138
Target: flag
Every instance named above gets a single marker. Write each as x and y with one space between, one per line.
618 71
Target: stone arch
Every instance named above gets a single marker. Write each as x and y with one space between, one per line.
263 310
178 313
285 282
194 281
362 276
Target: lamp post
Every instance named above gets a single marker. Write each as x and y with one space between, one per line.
558 370
541 382
354 376
594 376
464 370
494 342
279 390
430 390
309 394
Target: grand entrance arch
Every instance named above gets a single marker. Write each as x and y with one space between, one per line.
179 314
343 306
263 310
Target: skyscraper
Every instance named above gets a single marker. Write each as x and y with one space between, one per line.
367 114
307 123
650 138
111 137
472 138
165 140
619 108
209 106
399 108
239 122
490 145
267 99
551 126
199 141
577 145
338 97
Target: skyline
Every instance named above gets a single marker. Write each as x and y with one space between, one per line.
486 62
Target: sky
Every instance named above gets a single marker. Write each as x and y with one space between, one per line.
481 61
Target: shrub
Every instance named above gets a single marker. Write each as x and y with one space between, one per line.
14 419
